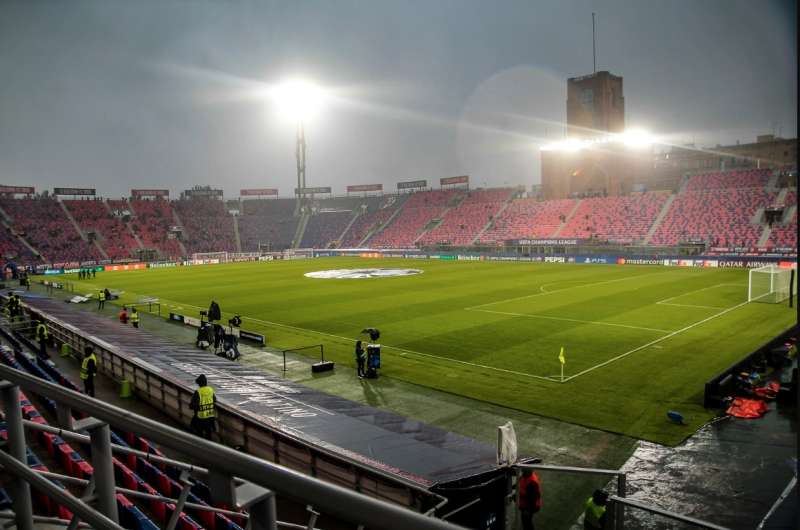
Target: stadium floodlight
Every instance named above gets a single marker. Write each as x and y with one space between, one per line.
636 138
297 99
569 145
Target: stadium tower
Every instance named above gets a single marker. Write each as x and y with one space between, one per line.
598 156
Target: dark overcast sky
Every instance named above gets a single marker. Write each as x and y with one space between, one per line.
116 95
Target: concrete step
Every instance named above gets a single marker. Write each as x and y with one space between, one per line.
660 217
567 218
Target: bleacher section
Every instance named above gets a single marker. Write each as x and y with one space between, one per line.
719 217
324 228
378 212
526 218
740 178
207 225
45 226
419 210
721 208
94 216
624 219
151 222
462 224
785 235
269 222
10 245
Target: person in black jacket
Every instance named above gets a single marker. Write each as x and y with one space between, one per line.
361 358
214 312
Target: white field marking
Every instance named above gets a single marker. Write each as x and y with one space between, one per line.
665 337
566 289
665 301
542 287
403 350
593 322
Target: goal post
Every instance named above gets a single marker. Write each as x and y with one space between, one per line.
769 284
222 257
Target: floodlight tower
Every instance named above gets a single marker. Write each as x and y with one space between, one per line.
301 160
299 101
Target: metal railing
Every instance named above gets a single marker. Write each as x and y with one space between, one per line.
620 501
260 481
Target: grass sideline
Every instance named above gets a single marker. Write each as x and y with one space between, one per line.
639 340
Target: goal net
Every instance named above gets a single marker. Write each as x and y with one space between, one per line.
217 257
769 284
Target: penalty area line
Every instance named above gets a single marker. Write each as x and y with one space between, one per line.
545 293
651 343
564 319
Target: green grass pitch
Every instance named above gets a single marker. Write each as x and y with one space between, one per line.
638 340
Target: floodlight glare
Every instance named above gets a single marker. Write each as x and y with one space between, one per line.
637 138
298 100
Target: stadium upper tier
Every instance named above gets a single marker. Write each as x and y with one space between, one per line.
718 208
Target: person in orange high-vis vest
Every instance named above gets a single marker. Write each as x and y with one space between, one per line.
529 491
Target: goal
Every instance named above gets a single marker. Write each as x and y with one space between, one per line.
210 257
769 284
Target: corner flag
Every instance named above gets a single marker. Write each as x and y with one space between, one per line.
561 356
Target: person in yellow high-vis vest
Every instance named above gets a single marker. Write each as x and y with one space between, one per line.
594 516
101 299
42 335
88 370
204 405
134 317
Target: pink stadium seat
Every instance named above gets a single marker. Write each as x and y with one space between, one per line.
615 218
45 226
419 210
721 217
526 218
151 222
460 225
207 225
113 234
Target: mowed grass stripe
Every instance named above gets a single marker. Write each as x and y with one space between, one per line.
434 342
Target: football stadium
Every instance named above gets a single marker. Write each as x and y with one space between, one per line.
471 290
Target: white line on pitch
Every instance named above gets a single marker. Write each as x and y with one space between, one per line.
566 289
594 322
691 305
665 337
663 302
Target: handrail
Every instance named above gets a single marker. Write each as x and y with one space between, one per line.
329 498
75 505
666 513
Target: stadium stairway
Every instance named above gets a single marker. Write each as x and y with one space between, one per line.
347 228
567 218
659 218
237 238
72 221
301 229
490 222
381 227
178 222
127 224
